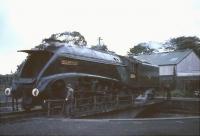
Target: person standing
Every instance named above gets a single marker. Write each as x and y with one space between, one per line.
168 91
69 100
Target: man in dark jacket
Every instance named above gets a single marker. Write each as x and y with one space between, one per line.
69 100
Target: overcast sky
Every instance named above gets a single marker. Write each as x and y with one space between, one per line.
121 23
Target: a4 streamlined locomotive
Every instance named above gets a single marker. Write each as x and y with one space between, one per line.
46 72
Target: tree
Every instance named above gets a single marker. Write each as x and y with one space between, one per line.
141 48
74 38
180 43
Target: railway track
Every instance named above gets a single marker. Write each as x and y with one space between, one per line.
82 108
18 115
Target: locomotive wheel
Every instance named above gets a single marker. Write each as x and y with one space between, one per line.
58 89
54 91
27 103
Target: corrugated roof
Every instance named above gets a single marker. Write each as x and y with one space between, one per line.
165 58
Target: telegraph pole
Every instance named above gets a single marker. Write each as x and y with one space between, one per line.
99 39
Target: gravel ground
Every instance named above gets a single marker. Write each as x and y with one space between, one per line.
102 127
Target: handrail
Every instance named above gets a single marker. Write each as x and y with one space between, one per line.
95 103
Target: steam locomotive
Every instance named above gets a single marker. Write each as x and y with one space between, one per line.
46 72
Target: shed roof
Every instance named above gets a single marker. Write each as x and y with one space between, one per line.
165 58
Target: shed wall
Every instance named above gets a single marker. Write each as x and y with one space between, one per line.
166 70
189 66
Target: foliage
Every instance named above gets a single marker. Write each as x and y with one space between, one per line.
173 44
141 48
182 93
180 43
74 38
178 93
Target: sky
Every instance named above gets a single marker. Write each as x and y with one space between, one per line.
120 23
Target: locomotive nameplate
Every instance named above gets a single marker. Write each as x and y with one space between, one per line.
69 62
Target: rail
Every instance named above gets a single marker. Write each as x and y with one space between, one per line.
17 115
